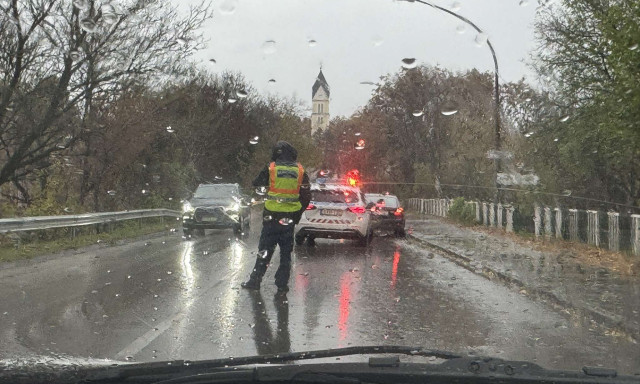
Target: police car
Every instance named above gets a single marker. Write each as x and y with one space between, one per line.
336 211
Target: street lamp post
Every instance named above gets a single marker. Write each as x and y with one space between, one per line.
496 91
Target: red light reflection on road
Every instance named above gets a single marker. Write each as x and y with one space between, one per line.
394 270
345 298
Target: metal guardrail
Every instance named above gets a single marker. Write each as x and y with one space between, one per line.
48 222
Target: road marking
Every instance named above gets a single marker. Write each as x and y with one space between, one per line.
143 341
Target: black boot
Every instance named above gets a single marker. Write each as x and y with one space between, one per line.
251 284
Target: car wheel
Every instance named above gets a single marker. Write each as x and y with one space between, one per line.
365 240
238 229
300 239
311 241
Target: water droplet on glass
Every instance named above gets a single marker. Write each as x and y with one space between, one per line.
76 55
232 100
359 144
81 4
117 295
261 190
461 28
377 41
129 358
556 139
263 254
169 272
155 308
269 47
252 325
267 218
367 83
312 43
449 109
272 81
409 63
254 140
88 25
357 133
481 39
566 192
68 210
564 118
109 14
455 7
241 93
374 266
633 47
285 221
170 130
228 7
418 113
218 177
212 61
524 3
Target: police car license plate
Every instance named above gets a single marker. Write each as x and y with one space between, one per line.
331 212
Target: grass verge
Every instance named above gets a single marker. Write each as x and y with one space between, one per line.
36 244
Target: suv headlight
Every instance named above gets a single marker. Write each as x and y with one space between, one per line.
234 207
187 207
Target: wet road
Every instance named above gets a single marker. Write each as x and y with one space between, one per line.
165 298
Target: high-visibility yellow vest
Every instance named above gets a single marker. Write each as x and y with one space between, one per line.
284 188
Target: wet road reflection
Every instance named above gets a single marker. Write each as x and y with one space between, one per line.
266 340
122 302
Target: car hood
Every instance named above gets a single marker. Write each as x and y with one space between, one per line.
217 202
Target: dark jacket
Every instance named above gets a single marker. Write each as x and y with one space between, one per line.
285 154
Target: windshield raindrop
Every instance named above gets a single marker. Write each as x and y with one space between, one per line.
524 3
241 93
633 47
261 191
461 29
564 118
109 14
312 43
418 113
481 39
269 47
272 81
76 55
285 221
455 7
88 25
449 109
228 7
359 144
212 61
566 192
170 130
254 140
82 5
111 193
409 63
232 100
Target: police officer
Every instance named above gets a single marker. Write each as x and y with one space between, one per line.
288 195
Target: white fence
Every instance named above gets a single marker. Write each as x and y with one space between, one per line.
550 222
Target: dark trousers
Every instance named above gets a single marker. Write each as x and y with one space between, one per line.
273 233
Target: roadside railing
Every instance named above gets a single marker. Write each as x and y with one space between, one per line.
610 230
49 222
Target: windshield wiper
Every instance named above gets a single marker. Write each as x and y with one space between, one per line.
378 370
124 371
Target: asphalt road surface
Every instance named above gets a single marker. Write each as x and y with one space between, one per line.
164 298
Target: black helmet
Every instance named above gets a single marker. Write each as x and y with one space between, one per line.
284 151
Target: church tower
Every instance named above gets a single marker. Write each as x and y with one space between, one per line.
320 93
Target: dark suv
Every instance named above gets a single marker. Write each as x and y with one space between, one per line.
387 213
215 206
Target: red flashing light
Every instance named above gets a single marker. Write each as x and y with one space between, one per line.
398 211
310 207
358 210
353 177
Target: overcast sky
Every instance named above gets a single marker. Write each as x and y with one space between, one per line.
360 40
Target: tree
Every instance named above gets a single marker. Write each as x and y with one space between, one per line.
71 56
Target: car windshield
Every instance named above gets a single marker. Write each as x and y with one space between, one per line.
204 179
386 201
215 191
339 196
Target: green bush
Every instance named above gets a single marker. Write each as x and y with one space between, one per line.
462 212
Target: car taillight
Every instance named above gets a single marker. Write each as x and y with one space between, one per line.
310 207
358 210
398 211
